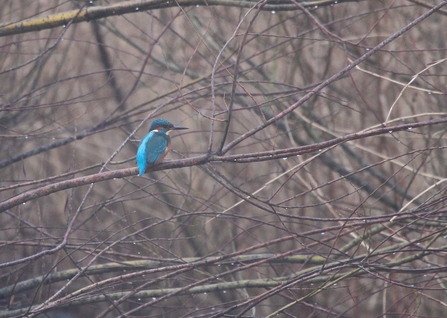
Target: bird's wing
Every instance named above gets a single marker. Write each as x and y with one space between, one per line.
141 155
151 150
155 147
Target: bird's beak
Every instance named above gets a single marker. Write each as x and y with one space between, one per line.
179 127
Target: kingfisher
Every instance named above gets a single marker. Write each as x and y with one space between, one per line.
156 145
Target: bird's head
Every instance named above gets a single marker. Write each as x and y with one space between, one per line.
163 126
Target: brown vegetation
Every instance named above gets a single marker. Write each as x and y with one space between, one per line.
311 182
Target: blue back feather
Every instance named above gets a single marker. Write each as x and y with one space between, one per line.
151 149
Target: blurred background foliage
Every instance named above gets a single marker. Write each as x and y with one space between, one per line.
352 230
